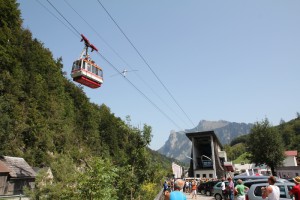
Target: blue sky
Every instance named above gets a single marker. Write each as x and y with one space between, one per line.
231 60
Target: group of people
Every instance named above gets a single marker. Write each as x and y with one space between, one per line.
272 192
178 186
230 191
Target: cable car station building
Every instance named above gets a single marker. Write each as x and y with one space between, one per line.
208 159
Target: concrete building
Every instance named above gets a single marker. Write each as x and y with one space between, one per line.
251 169
290 158
290 166
207 158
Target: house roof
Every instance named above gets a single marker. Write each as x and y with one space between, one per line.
291 153
18 167
3 168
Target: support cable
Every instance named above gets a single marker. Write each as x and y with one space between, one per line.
49 11
116 69
122 59
138 52
63 17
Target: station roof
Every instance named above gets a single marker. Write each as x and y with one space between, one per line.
204 134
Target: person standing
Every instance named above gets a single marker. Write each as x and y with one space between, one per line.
177 194
223 188
240 190
230 188
296 189
165 185
167 194
272 191
194 190
187 185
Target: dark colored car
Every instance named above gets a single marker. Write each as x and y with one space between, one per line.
201 187
209 187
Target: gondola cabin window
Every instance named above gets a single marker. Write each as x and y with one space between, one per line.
83 64
89 67
76 65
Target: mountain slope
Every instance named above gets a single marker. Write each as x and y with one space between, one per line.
178 146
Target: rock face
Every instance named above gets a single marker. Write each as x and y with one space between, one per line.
178 146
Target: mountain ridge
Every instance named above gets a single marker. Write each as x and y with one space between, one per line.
178 146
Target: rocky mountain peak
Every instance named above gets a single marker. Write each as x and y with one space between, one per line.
178 146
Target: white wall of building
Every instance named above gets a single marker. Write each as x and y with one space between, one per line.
290 161
177 170
222 154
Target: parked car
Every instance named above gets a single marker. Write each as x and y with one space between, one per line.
246 178
255 193
217 190
208 187
201 187
258 181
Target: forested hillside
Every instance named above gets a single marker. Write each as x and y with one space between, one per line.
49 121
289 131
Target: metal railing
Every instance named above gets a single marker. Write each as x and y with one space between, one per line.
14 197
160 195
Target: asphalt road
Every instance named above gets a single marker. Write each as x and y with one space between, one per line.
200 197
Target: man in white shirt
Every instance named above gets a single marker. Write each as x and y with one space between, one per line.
223 187
272 191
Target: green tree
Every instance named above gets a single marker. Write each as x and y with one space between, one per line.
265 145
98 181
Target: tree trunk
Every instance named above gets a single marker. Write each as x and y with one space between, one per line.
273 170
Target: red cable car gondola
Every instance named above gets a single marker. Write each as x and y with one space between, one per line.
85 71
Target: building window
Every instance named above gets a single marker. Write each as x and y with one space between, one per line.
297 174
204 175
210 175
198 175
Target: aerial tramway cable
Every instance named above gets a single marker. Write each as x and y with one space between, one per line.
57 18
142 57
122 59
116 69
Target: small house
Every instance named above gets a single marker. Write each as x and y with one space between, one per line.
15 174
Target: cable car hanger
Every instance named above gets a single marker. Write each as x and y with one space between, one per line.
124 72
85 71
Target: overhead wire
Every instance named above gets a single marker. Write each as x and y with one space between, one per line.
116 69
142 57
56 17
63 17
126 63
143 94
